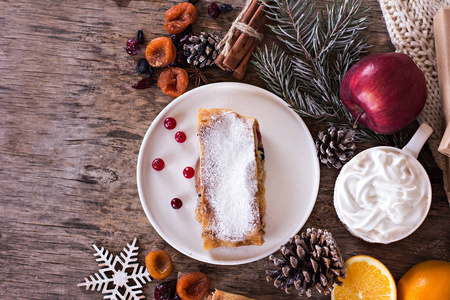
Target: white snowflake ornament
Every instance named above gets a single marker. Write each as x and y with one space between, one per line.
120 277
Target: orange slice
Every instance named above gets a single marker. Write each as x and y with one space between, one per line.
367 278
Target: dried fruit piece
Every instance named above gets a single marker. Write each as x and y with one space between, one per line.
143 67
132 46
179 17
175 38
160 52
159 264
224 8
181 58
213 10
165 291
143 84
140 36
173 81
193 286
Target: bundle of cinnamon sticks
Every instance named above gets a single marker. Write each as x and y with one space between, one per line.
242 39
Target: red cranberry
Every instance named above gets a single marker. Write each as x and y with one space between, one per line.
143 83
132 46
181 58
170 123
176 203
165 291
188 172
213 10
180 137
158 164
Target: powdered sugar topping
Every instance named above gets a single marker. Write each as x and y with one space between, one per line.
229 175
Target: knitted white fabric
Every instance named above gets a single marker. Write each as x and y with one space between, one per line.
410 26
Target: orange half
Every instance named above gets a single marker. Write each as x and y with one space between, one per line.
367 278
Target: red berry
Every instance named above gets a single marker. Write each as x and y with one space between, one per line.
165 290
213 10
143 84
180 137
170 123
132 46
176 203
188 172
158 164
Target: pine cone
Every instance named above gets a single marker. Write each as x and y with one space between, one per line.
203 50
310 260
336 147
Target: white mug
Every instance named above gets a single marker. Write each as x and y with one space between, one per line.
383 194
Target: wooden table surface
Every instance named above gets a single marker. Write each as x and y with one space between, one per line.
70 131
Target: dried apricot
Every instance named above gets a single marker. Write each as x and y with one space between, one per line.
159 264
160 52
179 17
193 286
173 81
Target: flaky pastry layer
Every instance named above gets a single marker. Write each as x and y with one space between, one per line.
208 121
221 295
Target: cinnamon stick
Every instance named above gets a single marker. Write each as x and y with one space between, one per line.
245 19
219 62
244 42
250 12
243 64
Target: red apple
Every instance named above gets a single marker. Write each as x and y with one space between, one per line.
384 92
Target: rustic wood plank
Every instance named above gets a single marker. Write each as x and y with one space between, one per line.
70 131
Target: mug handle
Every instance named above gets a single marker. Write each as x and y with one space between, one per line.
418 140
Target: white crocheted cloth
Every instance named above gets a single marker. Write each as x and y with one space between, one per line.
410 26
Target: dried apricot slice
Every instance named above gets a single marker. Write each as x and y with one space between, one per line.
159 264
179 17
193 286
160 52
173 81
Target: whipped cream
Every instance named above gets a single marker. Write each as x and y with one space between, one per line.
382 195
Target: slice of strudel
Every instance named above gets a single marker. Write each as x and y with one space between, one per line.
230 182
221 295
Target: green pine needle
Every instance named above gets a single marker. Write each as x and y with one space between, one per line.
322 46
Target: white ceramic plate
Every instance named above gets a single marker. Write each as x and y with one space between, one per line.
292 170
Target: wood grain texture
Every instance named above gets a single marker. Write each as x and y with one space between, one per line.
70 131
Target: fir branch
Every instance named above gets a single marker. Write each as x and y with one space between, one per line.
275 70
323 46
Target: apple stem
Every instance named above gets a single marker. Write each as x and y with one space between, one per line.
357 119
